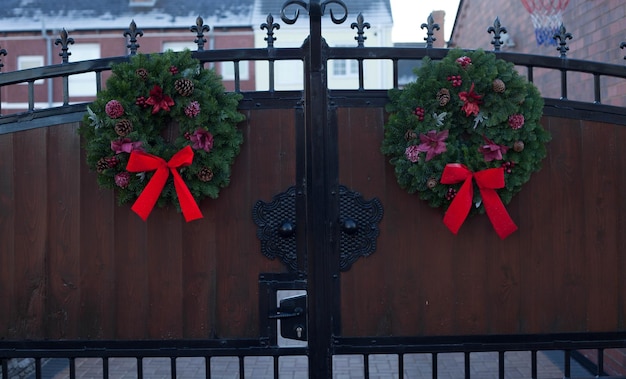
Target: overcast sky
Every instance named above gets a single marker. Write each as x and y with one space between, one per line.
409 15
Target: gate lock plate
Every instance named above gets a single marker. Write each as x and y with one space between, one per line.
292 316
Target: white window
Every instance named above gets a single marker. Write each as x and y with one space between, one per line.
30 61
345 68
227 70
179 46
83 84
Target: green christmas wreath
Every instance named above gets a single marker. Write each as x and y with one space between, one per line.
161 105
470 109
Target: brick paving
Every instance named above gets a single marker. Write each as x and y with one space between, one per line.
381 366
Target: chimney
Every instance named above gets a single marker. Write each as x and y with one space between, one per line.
439 18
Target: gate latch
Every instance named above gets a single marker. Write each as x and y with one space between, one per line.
292 316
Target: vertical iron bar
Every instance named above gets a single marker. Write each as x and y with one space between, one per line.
276 367
31 95
466 361
401 366
237 77
173 367
242 371
139 367
395 73
530 74
105 368
533 364
72 368
434 366
5 367
98 81
596 88
501 364
66 91
600 368
321 200
563 84
567 364
207 367
37 368
361 86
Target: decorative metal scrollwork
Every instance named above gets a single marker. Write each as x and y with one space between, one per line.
497 29
563 35
200 28
360 25
358 223
276 222
64 40
307 6
270 26
132 33
430 30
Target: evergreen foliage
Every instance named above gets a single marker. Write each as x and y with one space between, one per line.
503 93
164 132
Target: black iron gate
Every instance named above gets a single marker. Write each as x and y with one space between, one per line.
314 222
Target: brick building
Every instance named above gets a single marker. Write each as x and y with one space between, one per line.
30 28
597 29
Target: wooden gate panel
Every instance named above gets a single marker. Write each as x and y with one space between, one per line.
7 232
557 273
74 264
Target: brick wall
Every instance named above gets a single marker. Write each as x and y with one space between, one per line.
597 30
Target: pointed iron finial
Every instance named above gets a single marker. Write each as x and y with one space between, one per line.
562 36
3 53
497 29
199 28
64 41
622 46
360 26
270 26
132 32
430 28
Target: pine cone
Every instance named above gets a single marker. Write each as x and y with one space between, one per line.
111 161
184 87
123 127
498 86
102 165
410 135
142 73
518 146
205 174
443 96
431 183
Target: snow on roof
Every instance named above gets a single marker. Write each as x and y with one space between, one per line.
29 15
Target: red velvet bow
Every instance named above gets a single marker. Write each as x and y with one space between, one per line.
140 161
488 181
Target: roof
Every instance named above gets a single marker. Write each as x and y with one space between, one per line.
374 11
23 15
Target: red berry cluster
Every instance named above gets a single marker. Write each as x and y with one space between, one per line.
508 166
451 194
173 70
456 80
187 135
419 112
141 101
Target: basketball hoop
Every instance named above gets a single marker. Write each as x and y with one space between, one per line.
547 16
